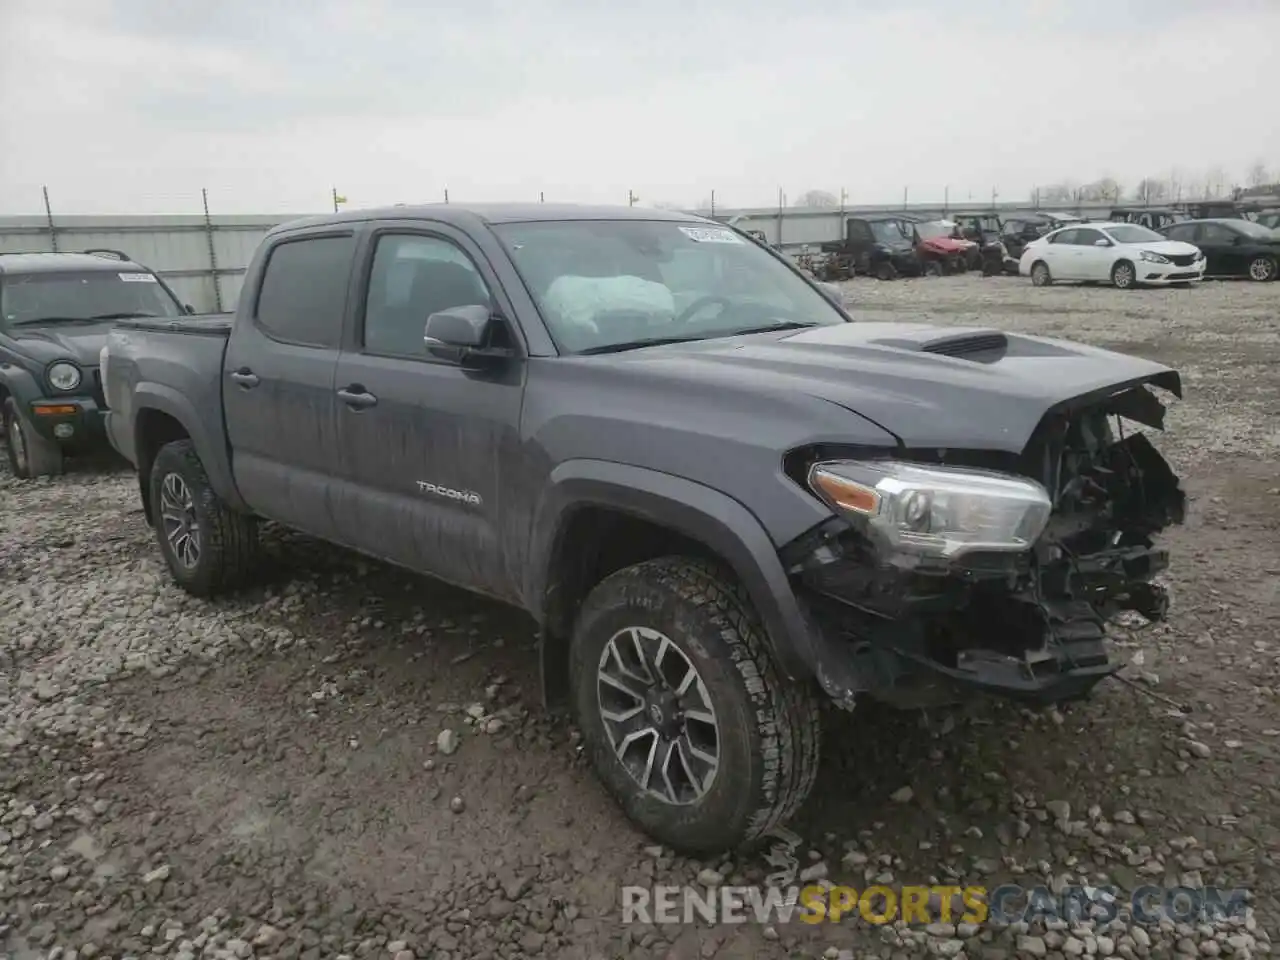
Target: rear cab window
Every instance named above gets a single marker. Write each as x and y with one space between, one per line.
303 295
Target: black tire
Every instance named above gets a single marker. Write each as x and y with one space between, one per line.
885 270
767 727
30 455
1040 275
1262 269
226 541
1124 275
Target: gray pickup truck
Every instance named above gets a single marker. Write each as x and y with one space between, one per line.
723 501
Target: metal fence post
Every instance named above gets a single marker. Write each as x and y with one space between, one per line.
48 216
213 253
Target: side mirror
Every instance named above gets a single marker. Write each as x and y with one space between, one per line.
189 308
459 334
1102 242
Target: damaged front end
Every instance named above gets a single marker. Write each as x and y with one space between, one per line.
948 573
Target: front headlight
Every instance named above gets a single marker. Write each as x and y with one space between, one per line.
934 511
1152 257
63 376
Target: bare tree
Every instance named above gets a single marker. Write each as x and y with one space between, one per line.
1105 190
1258 174
1064 192
819 199
1151 190
1215 182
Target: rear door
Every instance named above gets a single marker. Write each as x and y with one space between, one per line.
277 384
428 448
1060 253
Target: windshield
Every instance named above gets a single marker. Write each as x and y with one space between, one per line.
1254 230
1133 233
933 230
87 295
889 231
605 283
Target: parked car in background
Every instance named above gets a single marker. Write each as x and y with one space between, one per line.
941 248
1123 254
987 231
1154 218
1269 219
55 312
881 246
1232 247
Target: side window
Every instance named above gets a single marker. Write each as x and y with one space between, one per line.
859 231
304 290
1216 233
1183 232
1087 238
1067 237
413 277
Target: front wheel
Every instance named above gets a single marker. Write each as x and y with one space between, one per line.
208 547
1123 276
1262 269
686 718
30 455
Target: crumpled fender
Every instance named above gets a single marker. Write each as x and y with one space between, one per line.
712 518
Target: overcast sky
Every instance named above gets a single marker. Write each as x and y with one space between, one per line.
134 105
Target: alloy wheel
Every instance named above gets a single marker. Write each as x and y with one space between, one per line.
1262 269
178 515
1123 276
658 715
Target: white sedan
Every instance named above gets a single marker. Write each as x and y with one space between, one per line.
1123 254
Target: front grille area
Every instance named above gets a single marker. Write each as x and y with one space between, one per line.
1181 259
99 395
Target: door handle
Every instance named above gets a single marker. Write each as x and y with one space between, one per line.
245 377
357 398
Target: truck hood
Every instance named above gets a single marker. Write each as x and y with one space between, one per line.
80 342
969 388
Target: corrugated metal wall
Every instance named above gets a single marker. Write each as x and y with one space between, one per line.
193 254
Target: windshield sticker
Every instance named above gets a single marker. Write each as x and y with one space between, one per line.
710 235
136 277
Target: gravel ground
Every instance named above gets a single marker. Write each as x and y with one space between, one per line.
271 776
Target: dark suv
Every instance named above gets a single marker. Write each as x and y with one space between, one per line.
55 312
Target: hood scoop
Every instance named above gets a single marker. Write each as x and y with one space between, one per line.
982 346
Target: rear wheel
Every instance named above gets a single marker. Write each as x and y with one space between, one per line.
30 455
209 548
1040 276
1262 269
686 719
1123 276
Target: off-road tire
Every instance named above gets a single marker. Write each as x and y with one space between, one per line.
884 270
39 457
228 539
1124 275
1262 269
1040 275
768 726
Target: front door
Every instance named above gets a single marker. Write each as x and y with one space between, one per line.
428 448
1223 256
277 381
1093 262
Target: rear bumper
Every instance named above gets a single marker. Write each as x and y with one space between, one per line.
74 423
